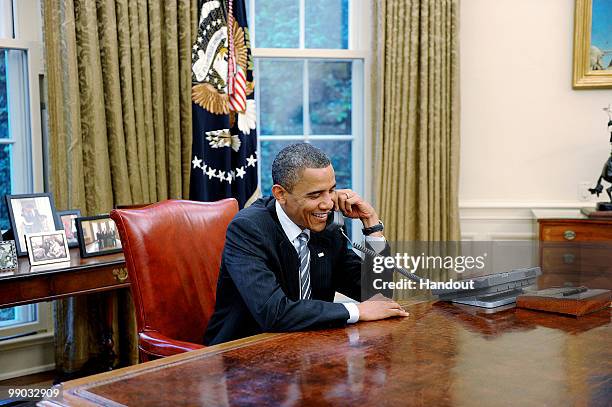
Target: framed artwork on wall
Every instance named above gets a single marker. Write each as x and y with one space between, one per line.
593 44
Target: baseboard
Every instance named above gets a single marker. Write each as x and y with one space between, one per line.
27 355
28 371
492 220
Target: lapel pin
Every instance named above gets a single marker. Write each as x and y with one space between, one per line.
321 254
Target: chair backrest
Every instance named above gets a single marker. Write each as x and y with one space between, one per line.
173 254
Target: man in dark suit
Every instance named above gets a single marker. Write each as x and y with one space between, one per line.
281 267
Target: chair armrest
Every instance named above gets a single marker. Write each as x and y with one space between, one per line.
156 344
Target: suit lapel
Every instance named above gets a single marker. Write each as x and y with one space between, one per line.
290 267
288 257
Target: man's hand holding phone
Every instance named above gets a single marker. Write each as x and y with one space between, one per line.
353 206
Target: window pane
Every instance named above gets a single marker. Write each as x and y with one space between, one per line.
340 153
17 315
6 19
5 183
268 151
330 97
281 97
3 96
277 24
327 24
7 314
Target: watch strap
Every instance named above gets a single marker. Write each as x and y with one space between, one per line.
373 229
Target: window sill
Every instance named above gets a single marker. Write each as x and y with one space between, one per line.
40 338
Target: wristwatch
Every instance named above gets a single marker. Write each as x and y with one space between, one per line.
373 229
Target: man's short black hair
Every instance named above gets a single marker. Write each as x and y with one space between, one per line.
292 160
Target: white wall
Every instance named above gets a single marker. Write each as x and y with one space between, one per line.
527 138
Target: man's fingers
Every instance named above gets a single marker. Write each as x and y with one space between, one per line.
351 201
345 198
397 312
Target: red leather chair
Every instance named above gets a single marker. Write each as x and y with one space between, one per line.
173 253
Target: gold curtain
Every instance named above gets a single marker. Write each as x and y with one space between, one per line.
416 119
119 93
416 127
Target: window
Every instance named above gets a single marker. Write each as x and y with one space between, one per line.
310 70
20 135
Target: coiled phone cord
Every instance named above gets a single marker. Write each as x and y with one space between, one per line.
373 254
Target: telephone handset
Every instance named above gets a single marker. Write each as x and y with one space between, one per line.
335 221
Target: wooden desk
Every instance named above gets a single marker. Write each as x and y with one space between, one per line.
82 276
441 355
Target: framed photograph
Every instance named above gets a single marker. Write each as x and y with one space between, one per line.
31 213
8 256
592 44
97 235
68 218
47 247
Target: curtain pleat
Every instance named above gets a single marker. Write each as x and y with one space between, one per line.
416 121
119 89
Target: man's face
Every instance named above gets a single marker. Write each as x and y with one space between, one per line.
311 199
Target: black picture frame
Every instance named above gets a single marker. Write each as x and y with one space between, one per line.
90 243
71 235
34 221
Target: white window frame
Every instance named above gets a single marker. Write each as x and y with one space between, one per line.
27 172
359 48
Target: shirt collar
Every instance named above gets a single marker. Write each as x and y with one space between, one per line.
292 231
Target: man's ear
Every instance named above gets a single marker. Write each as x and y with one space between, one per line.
280 193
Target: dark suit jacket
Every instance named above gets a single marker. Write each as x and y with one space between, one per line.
258 286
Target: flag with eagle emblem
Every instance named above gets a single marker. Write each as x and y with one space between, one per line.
224 153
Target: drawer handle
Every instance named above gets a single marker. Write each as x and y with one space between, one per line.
569 235
120 274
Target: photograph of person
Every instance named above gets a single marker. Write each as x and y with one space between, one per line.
47 247
31 214
68 222
97 235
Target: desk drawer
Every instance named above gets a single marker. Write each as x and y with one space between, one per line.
575 280
576 258
89 280
576 232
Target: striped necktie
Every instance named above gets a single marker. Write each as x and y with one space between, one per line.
304 254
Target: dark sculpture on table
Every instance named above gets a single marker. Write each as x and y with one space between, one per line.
606 173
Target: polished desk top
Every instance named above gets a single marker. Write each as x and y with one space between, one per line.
442 354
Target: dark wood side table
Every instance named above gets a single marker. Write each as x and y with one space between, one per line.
575 252
29 285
